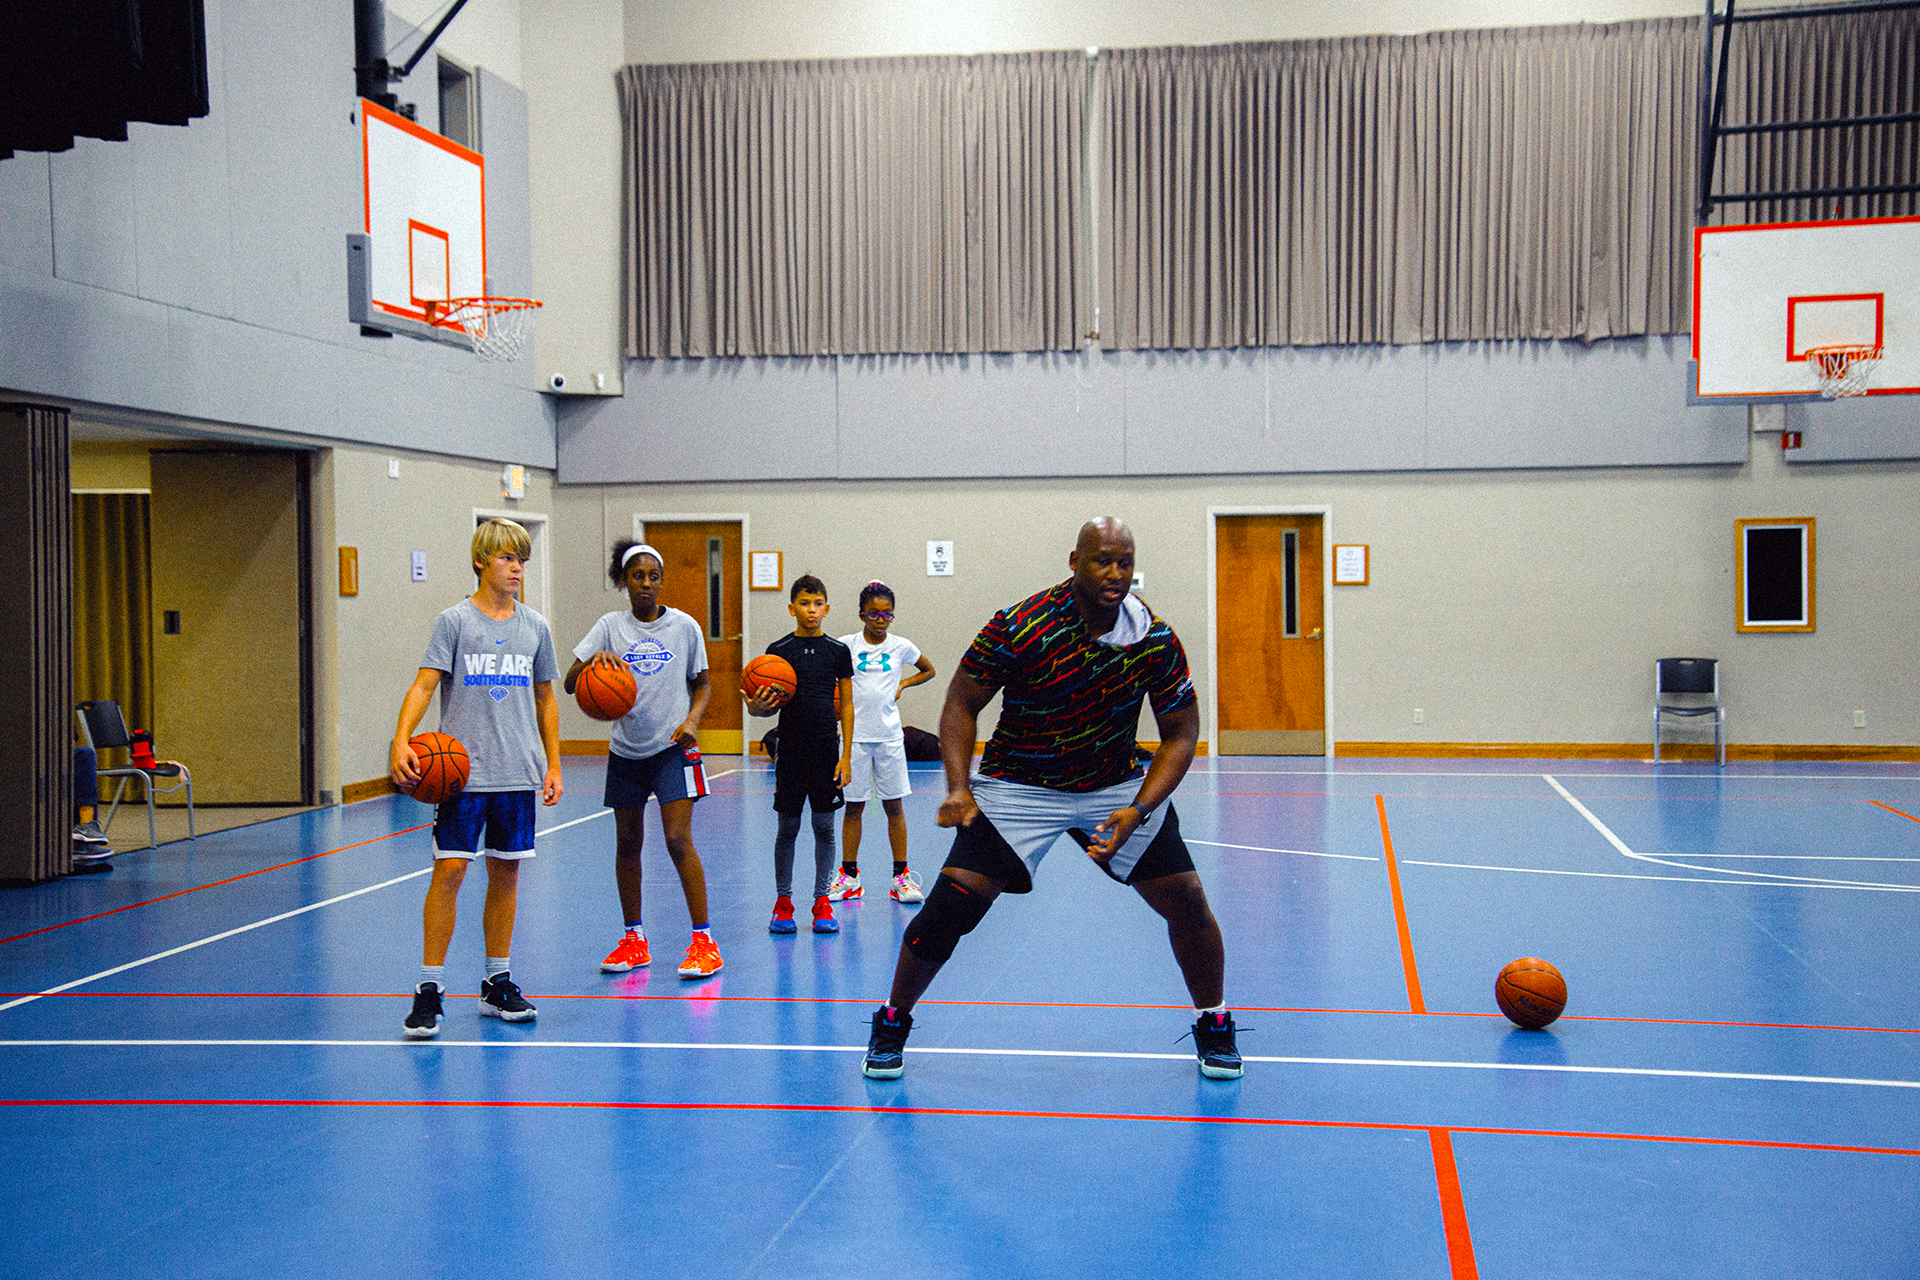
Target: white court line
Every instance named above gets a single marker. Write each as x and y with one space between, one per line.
1627 875
1305 853
189 946
414 1046
261 924
1753 877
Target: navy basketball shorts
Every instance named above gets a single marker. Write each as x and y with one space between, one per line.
503 819
673 774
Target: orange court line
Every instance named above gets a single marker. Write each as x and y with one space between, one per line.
992 1113
1416 1003
1890 809
180 893
1453 1208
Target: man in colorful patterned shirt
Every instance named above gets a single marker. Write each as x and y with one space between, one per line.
1073 664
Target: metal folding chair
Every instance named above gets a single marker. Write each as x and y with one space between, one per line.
1689 688
103 728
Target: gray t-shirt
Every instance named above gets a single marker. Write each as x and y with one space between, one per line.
663 656
486 697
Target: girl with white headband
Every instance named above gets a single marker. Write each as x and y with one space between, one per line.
655 749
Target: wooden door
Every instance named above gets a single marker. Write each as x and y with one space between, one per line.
1269 632
703 581
228 666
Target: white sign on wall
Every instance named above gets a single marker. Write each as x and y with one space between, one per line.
940 559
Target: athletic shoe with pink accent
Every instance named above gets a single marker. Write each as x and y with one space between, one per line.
782 921
632 953
702 959
906 888
823 921
845 887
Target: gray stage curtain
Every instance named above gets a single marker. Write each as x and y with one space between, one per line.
862 206
1858 64
1461 185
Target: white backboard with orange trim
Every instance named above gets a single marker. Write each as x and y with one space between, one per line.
1765 295
426 219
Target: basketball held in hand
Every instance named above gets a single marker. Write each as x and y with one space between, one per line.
1530 992
604 691
768 671
443 767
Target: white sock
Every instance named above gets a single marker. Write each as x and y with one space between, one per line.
434 973
497 965
1219 1008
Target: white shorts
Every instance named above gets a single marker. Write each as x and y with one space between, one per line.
881 767
1031 819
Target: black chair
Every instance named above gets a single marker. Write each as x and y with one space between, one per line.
103 728
1689 688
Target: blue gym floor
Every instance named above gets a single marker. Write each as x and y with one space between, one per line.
202 1072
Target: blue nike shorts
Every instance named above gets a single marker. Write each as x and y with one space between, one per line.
504 818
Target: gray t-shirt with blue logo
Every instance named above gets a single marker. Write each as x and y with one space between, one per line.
486 696
663 655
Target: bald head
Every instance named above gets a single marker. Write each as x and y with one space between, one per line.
1103 531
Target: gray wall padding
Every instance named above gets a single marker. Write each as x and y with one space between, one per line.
1280 411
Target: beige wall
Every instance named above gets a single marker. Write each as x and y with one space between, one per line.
1508 606
370 644
485 34
113 465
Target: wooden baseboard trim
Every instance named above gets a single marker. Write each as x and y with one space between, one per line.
584 746
1624 751
353 792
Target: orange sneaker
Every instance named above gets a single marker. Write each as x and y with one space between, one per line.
702 959
632 953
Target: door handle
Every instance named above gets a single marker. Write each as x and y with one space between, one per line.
741 636
1314 634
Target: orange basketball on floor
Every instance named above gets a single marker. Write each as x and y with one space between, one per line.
605 692
443 767
768 671
1531 992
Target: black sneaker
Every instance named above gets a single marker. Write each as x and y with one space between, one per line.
1213 1040
500 998
424 1022
886 1057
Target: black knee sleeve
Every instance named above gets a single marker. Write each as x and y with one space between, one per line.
950 914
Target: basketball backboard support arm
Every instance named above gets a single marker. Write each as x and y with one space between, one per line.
1713 89
372 72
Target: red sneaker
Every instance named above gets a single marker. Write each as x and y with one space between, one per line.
782 921
702 959
632 953
823 921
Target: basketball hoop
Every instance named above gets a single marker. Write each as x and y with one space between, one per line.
497 327
1844 370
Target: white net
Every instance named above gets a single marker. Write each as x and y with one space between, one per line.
497 328
1844 371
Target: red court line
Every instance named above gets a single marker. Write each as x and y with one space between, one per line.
695 996
1890 809
1415 1001
989 1113
1453 1208
181 893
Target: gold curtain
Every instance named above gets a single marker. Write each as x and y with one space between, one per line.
112 604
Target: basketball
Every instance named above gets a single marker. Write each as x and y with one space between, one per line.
443 767
1531 992
768 671
605 692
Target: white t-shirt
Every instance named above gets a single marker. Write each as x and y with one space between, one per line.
486 699
663 656
877 672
